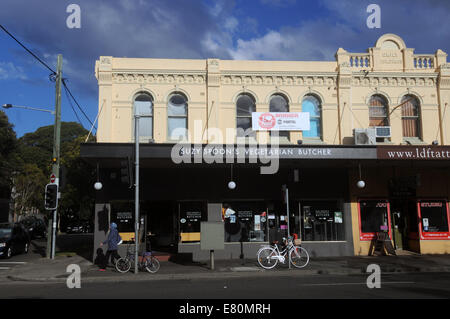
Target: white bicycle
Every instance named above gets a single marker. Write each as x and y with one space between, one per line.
269 256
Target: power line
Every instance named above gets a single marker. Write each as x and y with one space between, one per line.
23 46
76 102
71 105
52 75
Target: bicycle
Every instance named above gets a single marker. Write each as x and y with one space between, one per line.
146 261
269 256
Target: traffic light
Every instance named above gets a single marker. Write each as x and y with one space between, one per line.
126 172
51 196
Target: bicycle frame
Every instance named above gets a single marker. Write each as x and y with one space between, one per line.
282 253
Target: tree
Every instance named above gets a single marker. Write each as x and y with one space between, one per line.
76 181
8 159
28 191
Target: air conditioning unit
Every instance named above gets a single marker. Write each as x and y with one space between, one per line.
365 136
382 131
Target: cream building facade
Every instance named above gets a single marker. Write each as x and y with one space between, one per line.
406 171
344 88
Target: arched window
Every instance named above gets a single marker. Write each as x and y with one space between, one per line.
278 103
312 105
411 116
177 110
378 111
245 105
143 105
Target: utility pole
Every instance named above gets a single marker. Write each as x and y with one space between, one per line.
56 155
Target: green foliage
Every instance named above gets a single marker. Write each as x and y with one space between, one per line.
37 149
29 191
8 145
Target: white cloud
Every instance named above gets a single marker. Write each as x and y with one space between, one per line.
8 71
231 24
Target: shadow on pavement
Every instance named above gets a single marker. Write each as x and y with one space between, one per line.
78 244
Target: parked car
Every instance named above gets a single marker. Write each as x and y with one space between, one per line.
14 238
80 226
36 227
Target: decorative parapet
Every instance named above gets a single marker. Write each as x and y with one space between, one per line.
359 60
424 61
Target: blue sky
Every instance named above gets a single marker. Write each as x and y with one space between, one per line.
233 29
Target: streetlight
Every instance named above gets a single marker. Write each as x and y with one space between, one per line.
8 106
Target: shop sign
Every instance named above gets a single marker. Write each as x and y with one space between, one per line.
218 153
413 152
280 121
124 216
193 216
246 214
322 214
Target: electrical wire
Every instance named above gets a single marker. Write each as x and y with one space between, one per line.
76 102
23 46
71 105
52 75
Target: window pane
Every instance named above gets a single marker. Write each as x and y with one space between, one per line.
374 216
322 221
191 216
245 105
410 116
314 128
278 104
244 221
177 105
434 216
244 123
146 127
143 105
175 123
311 105
378 111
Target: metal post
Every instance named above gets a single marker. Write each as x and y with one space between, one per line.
288 217
56 147
136 203
211 257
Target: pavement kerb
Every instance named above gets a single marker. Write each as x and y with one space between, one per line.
217 275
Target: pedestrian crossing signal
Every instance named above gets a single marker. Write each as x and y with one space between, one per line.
51 196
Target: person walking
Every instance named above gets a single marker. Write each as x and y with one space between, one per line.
113 241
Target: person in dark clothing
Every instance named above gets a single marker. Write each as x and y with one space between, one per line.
113 240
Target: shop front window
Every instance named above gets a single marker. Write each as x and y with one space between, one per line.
245 221
191 215
122 213
322 221
434 219
374 217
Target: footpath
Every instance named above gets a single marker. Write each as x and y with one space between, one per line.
46 270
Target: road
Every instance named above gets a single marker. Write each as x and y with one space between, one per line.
411 286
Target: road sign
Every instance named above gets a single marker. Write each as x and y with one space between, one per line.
52 178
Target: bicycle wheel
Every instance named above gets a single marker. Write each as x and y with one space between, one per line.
151 263
123 265
266 258
298 256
